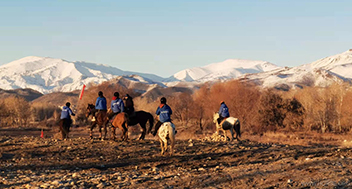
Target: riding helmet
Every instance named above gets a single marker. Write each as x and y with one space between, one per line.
222 102
117 94
163 100
68 104
100 93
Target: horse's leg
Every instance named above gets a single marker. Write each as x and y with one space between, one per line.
126 130
238 130
217 128
100 134
123 129
143 132
62 129
91 130
113 133
105 131
66 129
225 135
162 146
165 143
231 130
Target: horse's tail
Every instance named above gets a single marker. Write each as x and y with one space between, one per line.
238 127
151 122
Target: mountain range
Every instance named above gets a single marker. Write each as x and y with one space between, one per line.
48 75
323 72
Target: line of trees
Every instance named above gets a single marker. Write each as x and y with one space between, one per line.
259 110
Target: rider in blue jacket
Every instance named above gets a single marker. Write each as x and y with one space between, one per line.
66 112
223 112
117 105
164 112
66 120
100 103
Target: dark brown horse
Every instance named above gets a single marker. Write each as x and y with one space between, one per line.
65 125
141 118
99 118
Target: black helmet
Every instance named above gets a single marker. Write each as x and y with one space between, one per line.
68 104
100 93
163 100
117 94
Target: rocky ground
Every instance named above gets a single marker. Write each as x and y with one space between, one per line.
33 162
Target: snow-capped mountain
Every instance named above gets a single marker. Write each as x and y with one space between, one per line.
323 72
229 69
51 75
48 75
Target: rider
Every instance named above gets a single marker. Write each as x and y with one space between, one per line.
164 112
66 118
66 112
117 105
129 105
100 103
223 112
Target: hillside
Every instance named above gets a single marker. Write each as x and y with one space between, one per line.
28 94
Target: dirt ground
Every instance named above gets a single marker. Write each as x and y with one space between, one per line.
270 161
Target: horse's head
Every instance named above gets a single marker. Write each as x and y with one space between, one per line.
90 107
216 117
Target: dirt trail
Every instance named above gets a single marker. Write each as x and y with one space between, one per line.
29 162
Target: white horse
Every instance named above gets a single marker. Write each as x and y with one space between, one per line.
229 123
167 131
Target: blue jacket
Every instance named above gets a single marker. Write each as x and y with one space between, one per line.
117 105
66 112
100 104
224 111
164 111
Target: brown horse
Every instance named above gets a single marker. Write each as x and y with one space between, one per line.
120 121
99 118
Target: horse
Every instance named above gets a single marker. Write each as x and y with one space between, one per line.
141 118
65 125
99 118
165 132
229 123
120 121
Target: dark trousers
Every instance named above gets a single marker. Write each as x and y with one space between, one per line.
130 111
157 126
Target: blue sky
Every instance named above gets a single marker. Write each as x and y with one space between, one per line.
164 37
